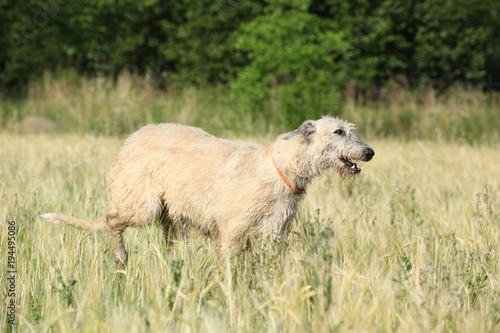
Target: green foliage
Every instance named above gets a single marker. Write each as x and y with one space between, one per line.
379 34
448 39
199 39
188 42
295 55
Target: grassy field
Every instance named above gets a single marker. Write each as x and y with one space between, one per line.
411 245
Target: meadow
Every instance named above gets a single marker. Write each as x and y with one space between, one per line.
410 245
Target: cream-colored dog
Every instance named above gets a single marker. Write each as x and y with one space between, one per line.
181 176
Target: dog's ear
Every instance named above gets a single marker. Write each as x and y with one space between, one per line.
292 134
307 129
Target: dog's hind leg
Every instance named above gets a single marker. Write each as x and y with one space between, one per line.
168 233
119 254
116 228
166 224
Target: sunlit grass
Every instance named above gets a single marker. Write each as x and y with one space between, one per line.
411 245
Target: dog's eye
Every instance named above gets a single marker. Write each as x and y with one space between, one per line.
339 132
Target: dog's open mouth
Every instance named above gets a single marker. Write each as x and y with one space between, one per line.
351 166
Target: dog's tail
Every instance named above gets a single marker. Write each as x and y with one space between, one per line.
58 218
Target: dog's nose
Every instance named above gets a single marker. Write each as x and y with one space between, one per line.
368 154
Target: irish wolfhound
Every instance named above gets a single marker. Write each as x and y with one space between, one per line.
181 176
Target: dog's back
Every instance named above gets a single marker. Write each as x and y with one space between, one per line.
179 170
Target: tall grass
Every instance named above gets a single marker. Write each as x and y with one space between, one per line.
464 114
411 245
119 106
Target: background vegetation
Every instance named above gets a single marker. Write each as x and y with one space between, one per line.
214 41
100 105
294 58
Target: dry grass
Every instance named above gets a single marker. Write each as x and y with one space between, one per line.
117 107
463 114
412 245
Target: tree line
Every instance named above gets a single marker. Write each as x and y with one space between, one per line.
299 47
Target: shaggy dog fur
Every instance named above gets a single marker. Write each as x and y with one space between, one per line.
181 176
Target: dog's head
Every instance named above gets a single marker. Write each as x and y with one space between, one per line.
329 142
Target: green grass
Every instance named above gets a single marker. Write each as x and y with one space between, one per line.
102 106
411 245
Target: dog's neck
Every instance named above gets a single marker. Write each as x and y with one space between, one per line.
296 190
292 172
